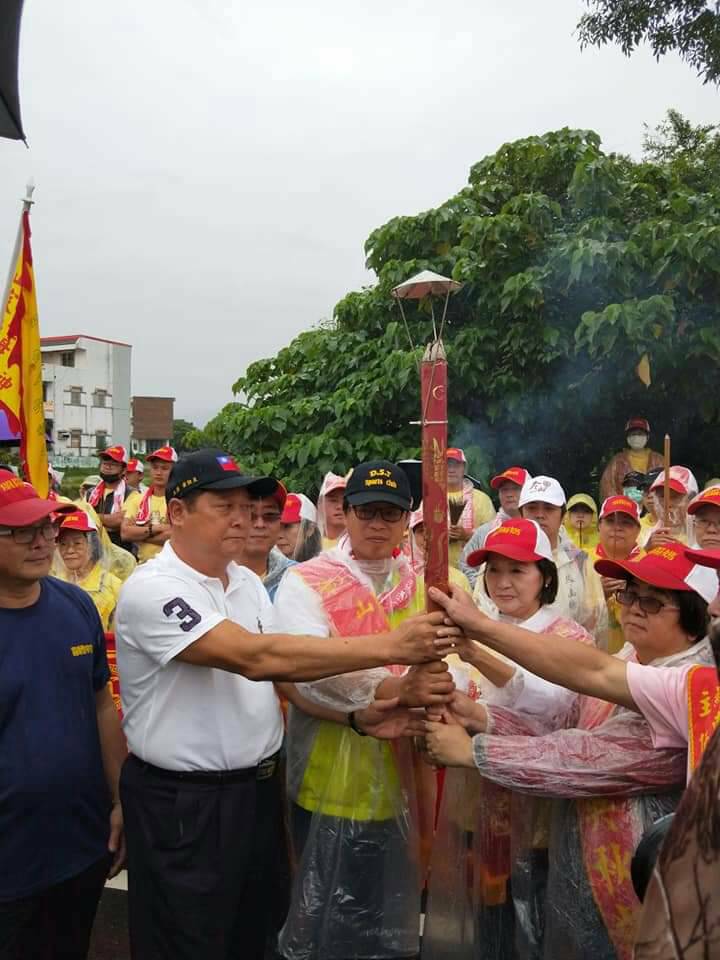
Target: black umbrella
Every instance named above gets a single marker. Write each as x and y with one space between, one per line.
10 122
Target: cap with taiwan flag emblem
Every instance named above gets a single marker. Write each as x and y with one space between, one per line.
455 453
667 567
167 454
78 520
516 475
118 453
215 470
135 466
620 504
20 505
517 539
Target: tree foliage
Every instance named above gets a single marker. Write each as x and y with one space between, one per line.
181 430
575 264
689 27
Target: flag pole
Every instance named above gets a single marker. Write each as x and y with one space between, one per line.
21 390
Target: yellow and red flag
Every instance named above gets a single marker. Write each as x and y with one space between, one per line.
21 390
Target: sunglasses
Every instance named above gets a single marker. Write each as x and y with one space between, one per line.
389 514
650 605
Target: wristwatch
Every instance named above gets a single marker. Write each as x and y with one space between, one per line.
353 724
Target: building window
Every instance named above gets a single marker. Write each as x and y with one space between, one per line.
99 398
100 440
75 439
46 390
151 445
67 359
76 397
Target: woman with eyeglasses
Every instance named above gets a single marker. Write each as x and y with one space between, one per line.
608 772
704 510
79 559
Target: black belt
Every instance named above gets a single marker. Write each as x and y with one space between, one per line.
266 769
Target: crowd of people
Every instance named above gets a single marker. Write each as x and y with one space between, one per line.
298 760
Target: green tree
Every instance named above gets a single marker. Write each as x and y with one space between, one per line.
182 429
688 27
575 264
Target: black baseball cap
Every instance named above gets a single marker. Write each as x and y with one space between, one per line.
379 481
214 470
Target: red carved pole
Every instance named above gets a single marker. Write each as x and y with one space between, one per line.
433 393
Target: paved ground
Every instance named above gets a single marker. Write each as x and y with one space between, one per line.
109 940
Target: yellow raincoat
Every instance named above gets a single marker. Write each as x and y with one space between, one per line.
588 538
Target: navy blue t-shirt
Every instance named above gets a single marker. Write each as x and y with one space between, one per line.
54 802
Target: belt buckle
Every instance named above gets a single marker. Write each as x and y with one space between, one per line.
266 768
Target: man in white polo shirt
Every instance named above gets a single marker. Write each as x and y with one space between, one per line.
200 792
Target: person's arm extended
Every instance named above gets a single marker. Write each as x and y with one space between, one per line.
560 660
383 719
277 656
497 671
114 751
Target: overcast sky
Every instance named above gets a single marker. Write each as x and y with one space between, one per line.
207 172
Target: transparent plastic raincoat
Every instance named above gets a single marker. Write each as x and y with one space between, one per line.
353 799
81 558
118 561
470 904
569 859
580 596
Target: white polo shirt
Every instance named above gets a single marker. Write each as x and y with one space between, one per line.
176 715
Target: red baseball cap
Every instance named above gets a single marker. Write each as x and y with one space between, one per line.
518 539
20 505
297 508
708 498
135 466
620 504
706 558
667 567
78 520
637 423
118 453
455 453
680 480
516 475
168 454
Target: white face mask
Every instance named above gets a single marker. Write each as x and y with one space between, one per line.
637 441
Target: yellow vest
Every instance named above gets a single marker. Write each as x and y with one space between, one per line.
354 777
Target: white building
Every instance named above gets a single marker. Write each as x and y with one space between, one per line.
86 389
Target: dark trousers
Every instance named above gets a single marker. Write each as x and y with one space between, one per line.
207 865
56 923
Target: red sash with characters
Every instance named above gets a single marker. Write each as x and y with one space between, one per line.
352 608
608 834
114 683
703 692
